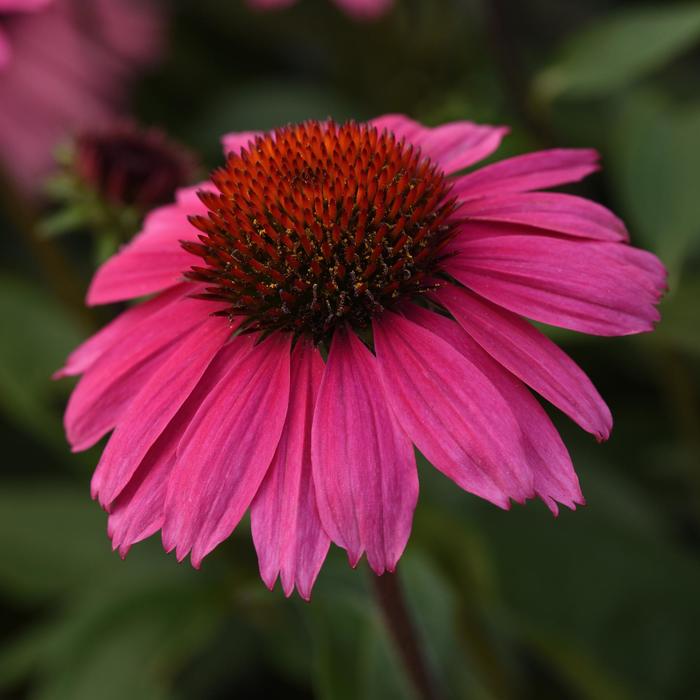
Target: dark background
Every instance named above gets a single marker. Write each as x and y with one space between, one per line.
599 603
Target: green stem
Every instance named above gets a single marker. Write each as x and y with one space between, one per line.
392 602
55 268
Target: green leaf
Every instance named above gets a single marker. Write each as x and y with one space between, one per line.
680 319
600 597
38 335
54 529
123 638
655 163
619 50
353 655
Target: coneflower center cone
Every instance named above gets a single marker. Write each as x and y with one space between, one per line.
319 224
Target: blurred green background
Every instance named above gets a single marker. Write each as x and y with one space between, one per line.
602 603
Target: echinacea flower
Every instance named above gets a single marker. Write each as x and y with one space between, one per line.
360 242
64 66
357 9
130 166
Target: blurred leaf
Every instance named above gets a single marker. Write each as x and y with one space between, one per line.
123 639
655 159
55 542
353 656
53 538
38 335
122 628
606 581
680 313
620 49
435 604
266 105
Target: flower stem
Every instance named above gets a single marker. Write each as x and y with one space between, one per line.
390 597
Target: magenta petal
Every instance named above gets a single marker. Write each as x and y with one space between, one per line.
154 406
137 512
363 465
453 146
139 509
228 446
116 332
108 387
553 474
597 288
530 356
534 171
153 260
287 531
451 411
5 50
561 213
237 140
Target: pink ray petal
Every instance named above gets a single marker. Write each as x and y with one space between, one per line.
236 141
596 288
530 356
363 465
5 50
553 473
561 213
533 171
153 407
227 448
153 260
453 146
138 511
115 332
287 531
107 388
23 5
451 411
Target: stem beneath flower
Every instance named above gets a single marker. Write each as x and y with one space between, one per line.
391 599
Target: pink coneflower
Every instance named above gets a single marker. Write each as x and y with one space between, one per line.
339 296
64 65
357 9
129 166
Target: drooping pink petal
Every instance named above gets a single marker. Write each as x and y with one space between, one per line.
451 411
533 171
227 448
115 332
363 465
153 260
287 531
553 473
453 146
237 140
139 510
597 288
107 388
530 356
155 405
562 213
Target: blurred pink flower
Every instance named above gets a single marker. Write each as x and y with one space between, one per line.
357 9
64 65
361 240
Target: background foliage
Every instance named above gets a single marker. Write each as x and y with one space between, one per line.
601 603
